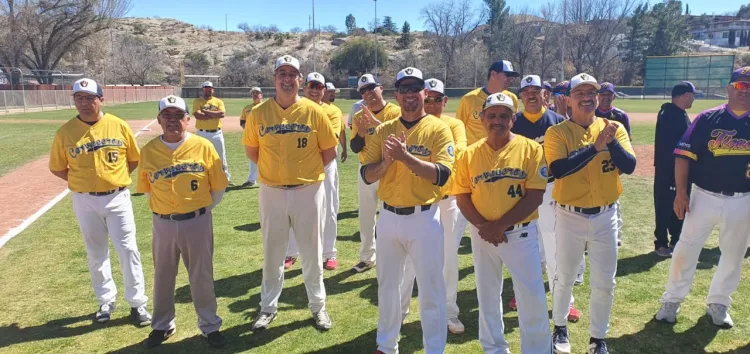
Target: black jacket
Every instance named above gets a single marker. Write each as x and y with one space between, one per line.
671 124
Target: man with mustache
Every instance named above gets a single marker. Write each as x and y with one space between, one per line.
500 183
586 155
412 157
533 123
208 111
257 96
182 176
292 140
375 110
715 156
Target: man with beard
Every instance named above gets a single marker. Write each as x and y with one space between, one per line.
714 154
586 155
671 124
208 112
329 97
412 158
257 96
451 218
291 140
374 112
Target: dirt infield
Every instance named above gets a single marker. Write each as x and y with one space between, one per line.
645 157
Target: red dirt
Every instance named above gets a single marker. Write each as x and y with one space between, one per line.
645 156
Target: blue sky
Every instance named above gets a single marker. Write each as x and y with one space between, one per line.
295 13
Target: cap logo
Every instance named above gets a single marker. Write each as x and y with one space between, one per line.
584 77
364 79
501 97
408 71
433 84
529 79
317 76
171 99
745 70
288 59
84 83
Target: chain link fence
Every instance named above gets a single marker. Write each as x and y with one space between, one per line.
709 73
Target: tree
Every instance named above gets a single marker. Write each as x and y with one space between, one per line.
636 43
495 36
244 27
330 29
732 38
406 39
351 23
295 30
136 61
196 63
670 33
389 25
744 12
357 56
521 44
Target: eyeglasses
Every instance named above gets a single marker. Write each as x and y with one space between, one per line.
741 86
176 116
367 88
315 85
438 99
413 88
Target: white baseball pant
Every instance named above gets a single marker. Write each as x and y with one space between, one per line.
217 138
707 209
111 215
300 209
367 198
454 224
521 256
546 235
417 237
330 225
575 233
252 175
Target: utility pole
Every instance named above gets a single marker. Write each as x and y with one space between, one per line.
313 33
562 50
376 39
226 23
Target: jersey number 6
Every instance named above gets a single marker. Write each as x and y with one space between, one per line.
608 166
194 185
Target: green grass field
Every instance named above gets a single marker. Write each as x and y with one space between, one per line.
48 301
22 143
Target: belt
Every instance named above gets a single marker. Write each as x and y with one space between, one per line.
445 197
289 186
517 226
111 191
210 130
182 217
406 210
586 211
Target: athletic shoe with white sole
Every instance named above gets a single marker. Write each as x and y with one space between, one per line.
140 315
561 340
720 315
455 326
363 266
668 312
263 320
105 312
597 346
322 320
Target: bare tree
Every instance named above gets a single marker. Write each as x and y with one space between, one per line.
452 24
523 30
137 62
330 29
549 41
295 30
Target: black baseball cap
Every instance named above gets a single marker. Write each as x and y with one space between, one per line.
503 66
683 88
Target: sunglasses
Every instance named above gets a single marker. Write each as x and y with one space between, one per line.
176 116
367 88
315 85
741 85
429 100
414 88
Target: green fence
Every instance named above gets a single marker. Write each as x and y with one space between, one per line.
709 73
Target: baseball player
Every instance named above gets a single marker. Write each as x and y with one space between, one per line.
314 91
257 96
586 155
356 107
412 158
328 98
183 178
291 140
716 141
470 106
208 112
451 218
500 183
671 124
561 93
547 94
95 152
533 123
375 110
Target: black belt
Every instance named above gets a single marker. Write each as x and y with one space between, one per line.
182 217
517 226
587 211
210 131
111 191
290 186
406 210
445 197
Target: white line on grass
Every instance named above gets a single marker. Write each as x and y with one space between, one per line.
13 232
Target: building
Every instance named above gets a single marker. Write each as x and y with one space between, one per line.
719 30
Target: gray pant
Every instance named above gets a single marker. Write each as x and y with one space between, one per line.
193 240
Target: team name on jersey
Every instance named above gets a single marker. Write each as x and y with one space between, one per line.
498 174
94 145
724 143
284 129
175 170
419 150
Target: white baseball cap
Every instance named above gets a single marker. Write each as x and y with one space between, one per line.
208 84
172 101
366 79
87 86
584 79
316 77
286 60
531 80
331 87
499 99
434 85
409 72
255 89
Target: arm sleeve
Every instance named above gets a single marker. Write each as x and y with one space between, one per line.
357 143
687 146
57 157
564 167
134 154
462 180
622 152
250 133
216 176
536 167
324 130
443 174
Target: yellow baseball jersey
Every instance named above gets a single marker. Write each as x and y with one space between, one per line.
459 139
246 111
598 182
334 115
389 112
96 156
497 180
180 180
214 105
290 141
469 109
429 140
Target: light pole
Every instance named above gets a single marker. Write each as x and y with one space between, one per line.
562 50
313 33
376 38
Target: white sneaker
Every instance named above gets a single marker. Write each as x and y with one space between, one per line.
720 315
668 312
455 326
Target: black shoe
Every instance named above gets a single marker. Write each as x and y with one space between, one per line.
597 346
140 316
105 312
560 340
215 339
156 337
